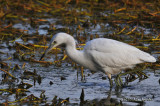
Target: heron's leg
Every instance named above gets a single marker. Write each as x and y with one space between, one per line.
110 80
111 83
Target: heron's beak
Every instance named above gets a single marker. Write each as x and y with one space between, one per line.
47 50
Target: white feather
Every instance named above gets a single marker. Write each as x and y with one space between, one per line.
101 54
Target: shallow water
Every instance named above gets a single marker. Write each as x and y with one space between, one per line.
44 81
66 84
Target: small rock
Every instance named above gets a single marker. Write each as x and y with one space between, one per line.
63 78
50 82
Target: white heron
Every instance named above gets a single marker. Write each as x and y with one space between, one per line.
101 54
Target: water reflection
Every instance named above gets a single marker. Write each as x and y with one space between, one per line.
110 99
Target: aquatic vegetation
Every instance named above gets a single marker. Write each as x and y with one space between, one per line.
27 25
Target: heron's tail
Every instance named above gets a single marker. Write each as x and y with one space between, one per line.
147 57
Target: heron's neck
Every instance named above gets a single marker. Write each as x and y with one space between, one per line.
76 55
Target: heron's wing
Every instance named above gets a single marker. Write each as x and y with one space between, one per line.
113 60
111 53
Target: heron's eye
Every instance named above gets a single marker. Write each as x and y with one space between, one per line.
54 42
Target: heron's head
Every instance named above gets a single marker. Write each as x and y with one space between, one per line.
59 39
